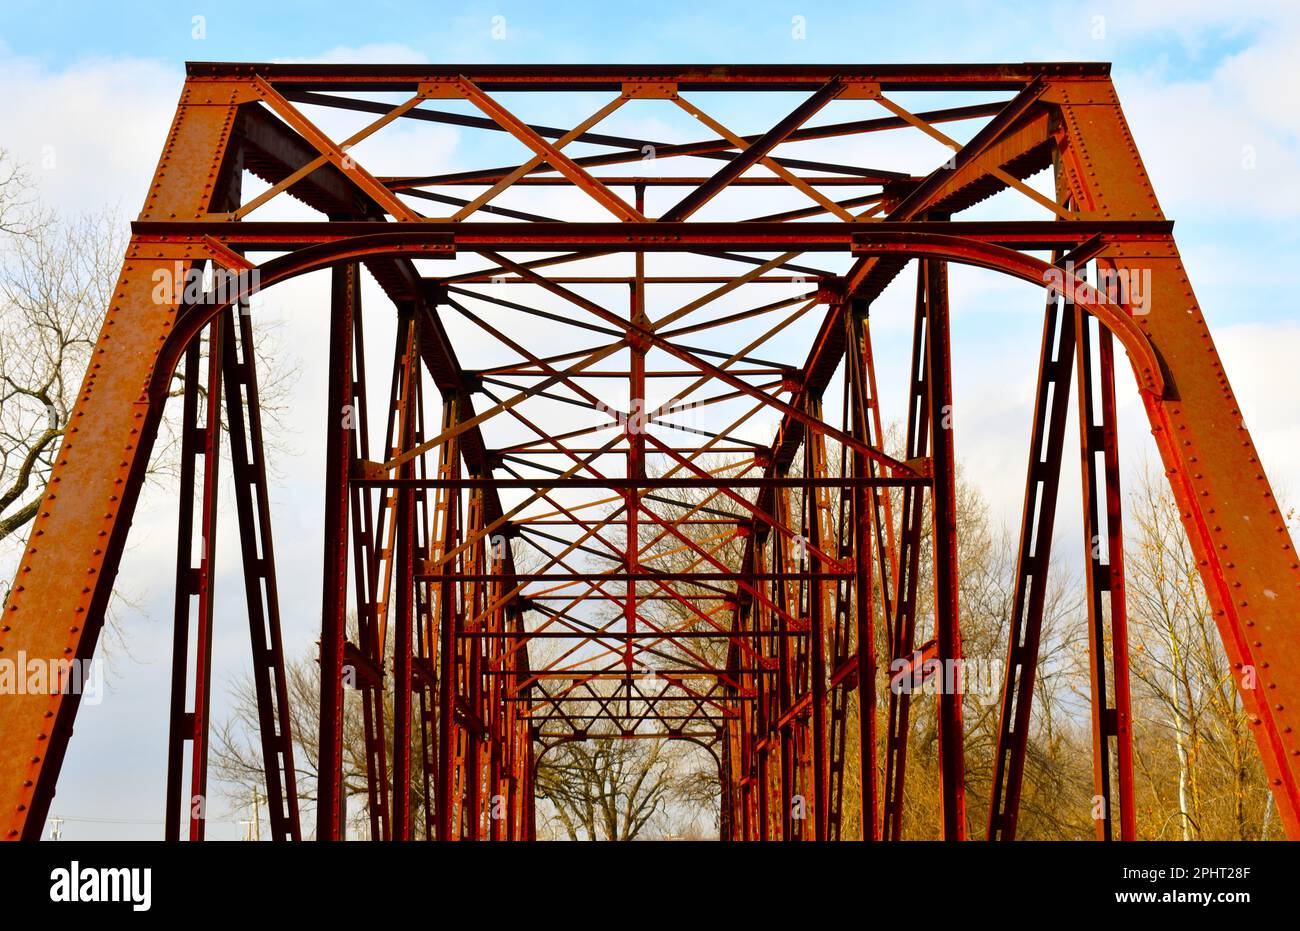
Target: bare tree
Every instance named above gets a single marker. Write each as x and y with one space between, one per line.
610 788
1203 778
56 278
236 751
18 216
54 285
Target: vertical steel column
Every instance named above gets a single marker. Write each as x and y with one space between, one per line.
785 723
911 517
253 505
843 667
815 468
952 770
372 551
749 734
1037 522
1111 732
200 716
200 439
448 802
424 663
768 693
503 743
634 429
510 751
493 707
799 605
521 753
864 516
405 581
473 670
727 784
732 773
530 797
338 436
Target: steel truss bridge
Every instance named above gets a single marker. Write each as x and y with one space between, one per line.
581 536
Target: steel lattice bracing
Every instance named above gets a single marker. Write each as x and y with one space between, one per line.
542 545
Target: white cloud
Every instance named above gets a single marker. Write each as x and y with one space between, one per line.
1260 360
390 53
1207 149
91 133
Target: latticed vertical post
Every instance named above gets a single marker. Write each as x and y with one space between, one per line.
1107 612
200 449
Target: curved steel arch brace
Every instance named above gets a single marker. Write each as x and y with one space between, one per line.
429 244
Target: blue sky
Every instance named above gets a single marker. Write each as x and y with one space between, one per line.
1201 82
662 31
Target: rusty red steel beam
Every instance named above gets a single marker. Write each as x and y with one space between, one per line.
621 481
651 236
373 551
943 522
564 77
1112 730
670 180
188 725
868 538
406 401
344 299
